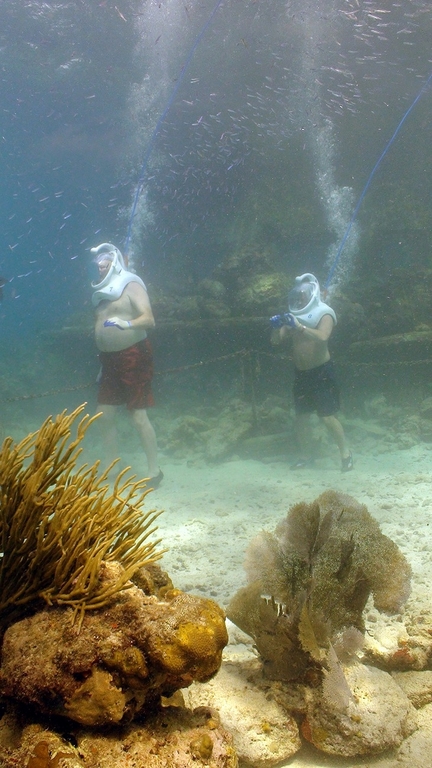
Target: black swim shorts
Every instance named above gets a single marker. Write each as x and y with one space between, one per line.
316 390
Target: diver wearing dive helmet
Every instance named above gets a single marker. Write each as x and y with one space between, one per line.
309 323
123 315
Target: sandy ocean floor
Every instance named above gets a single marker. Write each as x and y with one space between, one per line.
211 513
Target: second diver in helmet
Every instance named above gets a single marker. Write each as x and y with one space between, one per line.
309 324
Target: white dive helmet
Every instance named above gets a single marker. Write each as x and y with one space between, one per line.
111 252
304 301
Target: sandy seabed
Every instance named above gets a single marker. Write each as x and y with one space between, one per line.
211 514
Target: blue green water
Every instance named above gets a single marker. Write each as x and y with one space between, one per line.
280 117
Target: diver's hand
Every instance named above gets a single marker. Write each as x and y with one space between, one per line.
118 322
277 321
290 320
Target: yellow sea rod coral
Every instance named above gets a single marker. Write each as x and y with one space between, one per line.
58 523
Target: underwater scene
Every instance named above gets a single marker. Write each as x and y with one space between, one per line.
216 384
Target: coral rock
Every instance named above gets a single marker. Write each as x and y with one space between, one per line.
263 732
416 685
120 661
377 717
175 737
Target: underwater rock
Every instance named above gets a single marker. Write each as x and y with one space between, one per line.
212 289
376 715
233 425
119 662
29 745
212 299
271 447
416 685
250 259
274 416
187 308
188 433
213 308
262 293
410 651
176 737
264 733
415 751
215 438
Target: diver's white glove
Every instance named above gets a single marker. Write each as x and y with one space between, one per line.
118 322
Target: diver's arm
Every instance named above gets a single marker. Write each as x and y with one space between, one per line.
286 333
276 337
140 302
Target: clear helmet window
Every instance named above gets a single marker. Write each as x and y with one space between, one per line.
100 266
300 296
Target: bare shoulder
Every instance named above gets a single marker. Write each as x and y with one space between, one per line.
325 326
135 289
140 302
326 322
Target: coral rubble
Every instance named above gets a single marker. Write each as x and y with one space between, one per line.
176 737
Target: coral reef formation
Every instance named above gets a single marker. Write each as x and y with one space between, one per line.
71 546
122 658
58 523
176 737
248 282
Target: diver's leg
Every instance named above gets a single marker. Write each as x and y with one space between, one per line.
109 432
302 431
337 432
148 439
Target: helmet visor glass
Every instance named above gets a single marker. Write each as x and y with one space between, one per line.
100 267
300 296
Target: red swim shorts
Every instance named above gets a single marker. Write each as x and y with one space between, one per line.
126 376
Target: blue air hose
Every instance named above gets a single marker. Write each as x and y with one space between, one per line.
372 174
154 135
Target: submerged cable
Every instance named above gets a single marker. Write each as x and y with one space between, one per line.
154 135
371 175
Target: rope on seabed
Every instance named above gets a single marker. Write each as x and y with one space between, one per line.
242 353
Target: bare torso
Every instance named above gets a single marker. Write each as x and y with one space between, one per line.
309 352
310 346
132 305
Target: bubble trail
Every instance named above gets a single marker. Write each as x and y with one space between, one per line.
157 128
371 175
